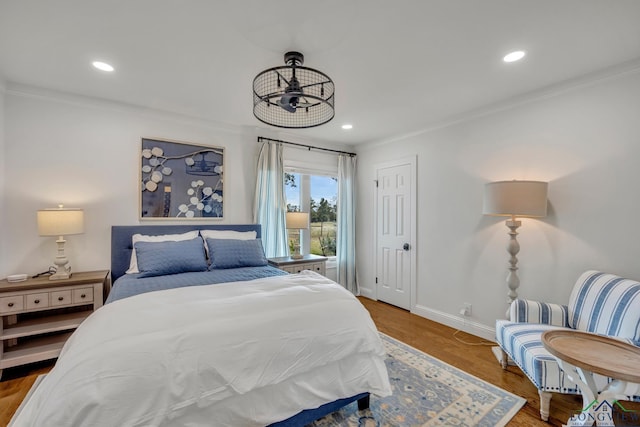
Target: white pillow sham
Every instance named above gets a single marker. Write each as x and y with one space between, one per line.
228 234
133 265
225 234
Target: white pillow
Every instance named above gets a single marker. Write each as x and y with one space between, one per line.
226 234
133 265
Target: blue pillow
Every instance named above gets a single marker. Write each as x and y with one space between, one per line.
232 253
160 258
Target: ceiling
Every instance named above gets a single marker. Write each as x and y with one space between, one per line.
399 66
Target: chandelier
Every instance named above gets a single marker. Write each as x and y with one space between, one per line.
293 96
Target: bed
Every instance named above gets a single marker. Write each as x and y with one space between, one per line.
279 350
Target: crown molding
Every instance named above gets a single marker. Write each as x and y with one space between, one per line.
547 92
33 92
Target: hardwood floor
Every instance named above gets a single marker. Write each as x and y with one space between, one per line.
428 336
15 385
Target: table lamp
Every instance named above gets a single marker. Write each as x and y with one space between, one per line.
60 222
515 199
297 221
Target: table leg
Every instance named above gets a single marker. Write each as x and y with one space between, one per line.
588 389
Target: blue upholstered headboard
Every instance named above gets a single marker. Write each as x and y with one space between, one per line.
121 239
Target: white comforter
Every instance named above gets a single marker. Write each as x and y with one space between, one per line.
233 354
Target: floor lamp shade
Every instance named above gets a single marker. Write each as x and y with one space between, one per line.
515 198
60 222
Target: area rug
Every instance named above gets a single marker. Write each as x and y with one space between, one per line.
428 392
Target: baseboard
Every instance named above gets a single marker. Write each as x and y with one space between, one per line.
367 292
457 322
453 321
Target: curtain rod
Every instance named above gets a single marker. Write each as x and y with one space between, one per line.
309 147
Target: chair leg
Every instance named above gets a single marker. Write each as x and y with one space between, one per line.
504 361
545 401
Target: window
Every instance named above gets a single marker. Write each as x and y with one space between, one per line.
318 195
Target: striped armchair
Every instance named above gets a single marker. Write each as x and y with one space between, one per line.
599 303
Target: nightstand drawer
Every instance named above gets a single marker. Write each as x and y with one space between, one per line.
60 298
318 267
301 267
83 295
11 304
314 263
37 300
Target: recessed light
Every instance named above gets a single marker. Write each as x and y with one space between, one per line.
514 56
347 126
102 66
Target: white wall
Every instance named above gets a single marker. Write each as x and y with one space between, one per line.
84 153
2 174
585 142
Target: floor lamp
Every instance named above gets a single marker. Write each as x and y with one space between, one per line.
515 199
297 221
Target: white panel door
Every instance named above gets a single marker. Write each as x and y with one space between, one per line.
394 235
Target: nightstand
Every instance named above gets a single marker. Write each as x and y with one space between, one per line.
38 315
308 262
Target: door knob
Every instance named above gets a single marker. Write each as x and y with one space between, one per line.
406 247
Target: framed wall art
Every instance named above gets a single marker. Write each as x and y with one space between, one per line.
180 180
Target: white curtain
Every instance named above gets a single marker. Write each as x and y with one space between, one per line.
346 235
270 202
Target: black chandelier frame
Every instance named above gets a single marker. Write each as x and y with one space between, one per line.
293 96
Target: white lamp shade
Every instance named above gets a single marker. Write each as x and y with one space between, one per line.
298 220
60 222
515 198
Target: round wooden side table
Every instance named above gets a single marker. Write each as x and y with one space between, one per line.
582 354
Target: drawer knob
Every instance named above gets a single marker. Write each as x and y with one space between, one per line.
60 298
83 296
10 304
37 301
